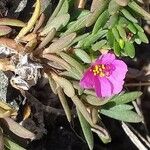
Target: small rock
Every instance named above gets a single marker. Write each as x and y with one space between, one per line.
4 82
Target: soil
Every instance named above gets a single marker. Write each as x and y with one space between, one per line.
52 129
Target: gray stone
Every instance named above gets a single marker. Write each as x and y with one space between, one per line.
4 82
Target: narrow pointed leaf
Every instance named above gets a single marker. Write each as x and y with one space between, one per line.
60 44
57 60
142 36
48 38
138 9
122 32
116 34
122 115
82 109
57 23
93 38
4 30
86 130
64 103
95 14
57 9
122 2
93 100
78 24
71 74
129 49
113 20
64 8
31 22
101 21
113 7
82 55
65 84
98 45
110 38
132 28
12 22
125 98
117 48
11 145
72 62
139 28
52 84
79 38
120 107
127 14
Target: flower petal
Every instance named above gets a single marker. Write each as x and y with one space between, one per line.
117 85
120 70
103 87
88 80
106 58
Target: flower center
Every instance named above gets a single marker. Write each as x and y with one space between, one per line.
102 70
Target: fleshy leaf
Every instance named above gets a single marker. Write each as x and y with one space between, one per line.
125 98
86 130
129 49
122 115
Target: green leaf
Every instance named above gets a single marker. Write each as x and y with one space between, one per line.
132 28
77 25
60 44
123 115
72 73
98 45
82 55
113 7
122 32
86 130
116 34
117 48
139 28
110 38
64 8
65 84
12 145
83 13
120 107
57 23
95 14
129 49
57 9
127 14
121 43
82 109
95 101
79 38
134 6
93 38
57 61
137 40
113 21
123 21
52 84
72 62
101 21
64 103
125 98
143 37
122 2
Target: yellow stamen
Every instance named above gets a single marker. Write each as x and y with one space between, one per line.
103 66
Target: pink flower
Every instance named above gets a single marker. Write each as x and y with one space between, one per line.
106 76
